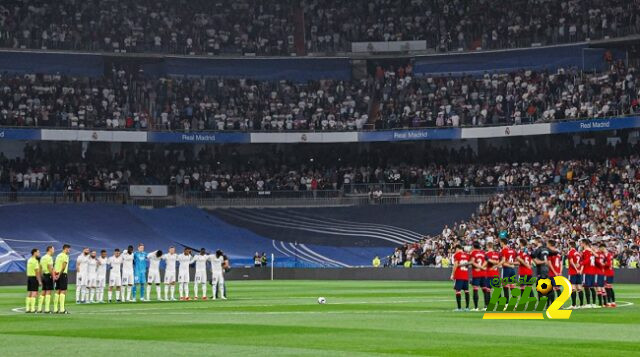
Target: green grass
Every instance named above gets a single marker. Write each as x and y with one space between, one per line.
282 318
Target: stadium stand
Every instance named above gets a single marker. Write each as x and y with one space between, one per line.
129 101
279 27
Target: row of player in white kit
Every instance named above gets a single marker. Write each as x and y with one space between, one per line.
128 269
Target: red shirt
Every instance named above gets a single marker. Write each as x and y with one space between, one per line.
609 270
588 263
601 262
462 271
478 257
574 257
523 270
509 255
492 271
556 263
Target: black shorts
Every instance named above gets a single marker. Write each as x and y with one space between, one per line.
62 282
32 284
47 282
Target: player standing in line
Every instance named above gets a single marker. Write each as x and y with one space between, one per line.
608 273
127 274
92 275
507 262
34 280
170 274
101 279
201 274
524 268
217 275
140 271
478 274
589 270
184 261
540 257
48 275
154 259
81 276
493 264
601 266
575 275
61 268
115 275
460 273
555 269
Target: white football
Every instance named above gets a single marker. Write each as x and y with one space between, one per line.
322 300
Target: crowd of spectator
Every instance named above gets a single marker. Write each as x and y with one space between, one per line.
586 199
268 28
180 27
467 25
121 100
224 171
518 97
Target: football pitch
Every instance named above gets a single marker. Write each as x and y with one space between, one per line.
283 318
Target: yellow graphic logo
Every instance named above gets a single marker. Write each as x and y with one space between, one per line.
524 306
544 286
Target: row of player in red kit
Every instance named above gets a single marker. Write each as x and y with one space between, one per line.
590 268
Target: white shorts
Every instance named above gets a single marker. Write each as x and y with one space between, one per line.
127 278
115 280
101 282
217 278
92 281
80 280
169 277
200 277
183 277
153 277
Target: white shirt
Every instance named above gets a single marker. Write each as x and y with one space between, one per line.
127 262
116 264
216 264
92 266
81 264
184 261
102 268
170 261
154 262
201 262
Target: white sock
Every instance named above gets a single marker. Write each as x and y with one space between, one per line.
214 287
166 292
83 294
117 294
221 290
109 295
186 290
195 289
158 292
148 292
204 290
78 292
92 294
172 289
181 290
129 294
100 295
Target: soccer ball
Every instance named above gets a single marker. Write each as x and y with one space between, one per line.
544 286
322 300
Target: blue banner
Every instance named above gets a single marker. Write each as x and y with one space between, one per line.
294 69
538 58
198 137
595 125
411 134
19 134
